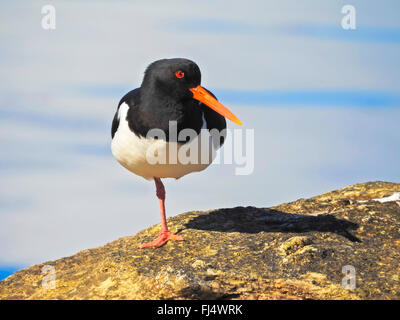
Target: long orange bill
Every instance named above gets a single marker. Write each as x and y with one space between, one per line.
201 94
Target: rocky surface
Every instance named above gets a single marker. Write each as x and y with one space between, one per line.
293 251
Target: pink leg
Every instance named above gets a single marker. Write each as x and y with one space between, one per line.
165 234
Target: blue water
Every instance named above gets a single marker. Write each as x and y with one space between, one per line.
5 272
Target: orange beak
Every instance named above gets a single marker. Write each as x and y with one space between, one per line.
201 94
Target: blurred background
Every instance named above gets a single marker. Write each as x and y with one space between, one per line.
324 103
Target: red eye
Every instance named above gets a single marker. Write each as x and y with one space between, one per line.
179 74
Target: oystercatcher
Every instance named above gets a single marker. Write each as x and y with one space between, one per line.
170 97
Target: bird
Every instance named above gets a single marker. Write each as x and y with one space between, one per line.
169 98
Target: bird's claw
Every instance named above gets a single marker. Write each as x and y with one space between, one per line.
161 240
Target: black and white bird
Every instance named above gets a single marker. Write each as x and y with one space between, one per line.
169 98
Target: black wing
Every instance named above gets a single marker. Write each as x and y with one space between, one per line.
131 99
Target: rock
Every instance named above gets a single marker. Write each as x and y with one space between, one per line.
293 245
292 251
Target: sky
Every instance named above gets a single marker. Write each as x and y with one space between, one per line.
324 104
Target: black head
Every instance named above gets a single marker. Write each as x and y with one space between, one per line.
172 77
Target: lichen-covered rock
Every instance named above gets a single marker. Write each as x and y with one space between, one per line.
292 251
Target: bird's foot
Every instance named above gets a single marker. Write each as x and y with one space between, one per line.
161 240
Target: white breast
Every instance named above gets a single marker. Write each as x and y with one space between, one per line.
133 152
